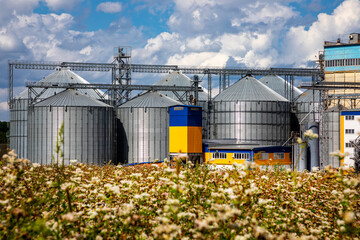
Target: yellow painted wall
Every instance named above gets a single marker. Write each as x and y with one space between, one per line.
185 139
342 132
228 161
194 139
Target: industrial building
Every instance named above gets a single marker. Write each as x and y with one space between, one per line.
340 100
256 118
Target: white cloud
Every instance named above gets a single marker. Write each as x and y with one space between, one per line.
265 13
301 45
4 106
11 8
199 59
62 4
109 7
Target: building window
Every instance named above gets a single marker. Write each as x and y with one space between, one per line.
219 155
263 156
349 131
241 156
349 117
279 155
348 145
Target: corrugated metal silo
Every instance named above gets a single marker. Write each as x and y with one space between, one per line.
145 124
252 113
19 110
333 115
307 110
282 87
176 78
88 129
307 102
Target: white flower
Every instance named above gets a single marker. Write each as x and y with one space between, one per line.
66 186
92 213
69 217
264 201
170 170
299 140
339 154
35 165
309 133
3 202
115 189
95 180
315 169
73 161
136 175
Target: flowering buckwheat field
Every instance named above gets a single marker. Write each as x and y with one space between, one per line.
184 202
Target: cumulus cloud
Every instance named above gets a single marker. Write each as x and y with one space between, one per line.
301 45
109 7
62 4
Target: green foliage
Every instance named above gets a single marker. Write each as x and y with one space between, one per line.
4 129
59 151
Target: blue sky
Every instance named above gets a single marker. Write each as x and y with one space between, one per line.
241 33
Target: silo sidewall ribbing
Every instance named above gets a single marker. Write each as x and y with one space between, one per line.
146 133
334 136
18 127
88 134
255 122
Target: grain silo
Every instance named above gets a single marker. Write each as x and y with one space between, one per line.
144 124
19 114
88 129
251 113
307 112
176 78
333 133
282 87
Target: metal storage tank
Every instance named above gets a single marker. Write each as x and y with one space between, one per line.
19 114
333 116
176 78
88 128
279 85
251 113
144 123
307 110
307 102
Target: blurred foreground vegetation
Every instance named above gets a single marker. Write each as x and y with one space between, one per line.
185 202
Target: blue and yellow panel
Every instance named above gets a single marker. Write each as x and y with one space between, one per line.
185 139
185 129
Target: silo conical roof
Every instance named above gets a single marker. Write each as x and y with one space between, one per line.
176 78
61 75
279 85
150 99
249 89
71 98
307 96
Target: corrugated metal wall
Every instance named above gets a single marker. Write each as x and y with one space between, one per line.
146 134
264 123
88 134
18 127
